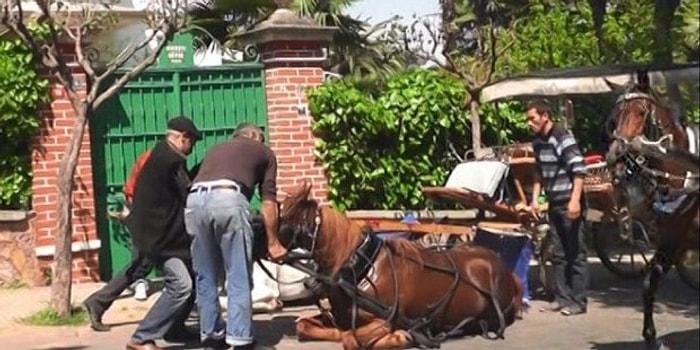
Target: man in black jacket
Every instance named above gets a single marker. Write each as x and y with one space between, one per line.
159 231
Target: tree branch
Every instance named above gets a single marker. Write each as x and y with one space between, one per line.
167 29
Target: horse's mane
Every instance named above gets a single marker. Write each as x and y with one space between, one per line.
346 235
403 247
338 234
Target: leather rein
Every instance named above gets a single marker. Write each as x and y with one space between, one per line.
356 270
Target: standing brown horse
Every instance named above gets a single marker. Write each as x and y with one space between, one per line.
395 293
642 158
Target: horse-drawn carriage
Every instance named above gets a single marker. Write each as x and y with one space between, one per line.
492 185
359 272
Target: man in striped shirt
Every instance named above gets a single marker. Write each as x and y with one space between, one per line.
560 173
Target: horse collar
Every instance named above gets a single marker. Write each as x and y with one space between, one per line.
359 264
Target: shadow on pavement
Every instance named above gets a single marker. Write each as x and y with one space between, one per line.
268 332
673 296
273 330
687 339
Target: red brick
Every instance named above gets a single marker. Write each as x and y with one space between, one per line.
50 143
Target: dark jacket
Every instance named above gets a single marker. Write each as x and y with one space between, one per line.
157 218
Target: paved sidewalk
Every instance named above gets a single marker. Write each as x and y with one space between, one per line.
613 322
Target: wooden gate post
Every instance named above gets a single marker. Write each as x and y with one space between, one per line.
293 50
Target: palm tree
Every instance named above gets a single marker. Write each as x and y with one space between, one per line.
357 49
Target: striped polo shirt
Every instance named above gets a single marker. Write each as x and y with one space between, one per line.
559 160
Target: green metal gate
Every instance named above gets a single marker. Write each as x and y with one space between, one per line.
216 98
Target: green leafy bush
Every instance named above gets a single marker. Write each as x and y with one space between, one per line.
381 145
21 91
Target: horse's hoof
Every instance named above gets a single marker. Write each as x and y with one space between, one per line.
657 345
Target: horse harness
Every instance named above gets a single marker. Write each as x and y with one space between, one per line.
355 272
653 129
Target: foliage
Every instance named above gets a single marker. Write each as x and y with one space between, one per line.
381 148
357 48
50 317
556 35
689 11
22 91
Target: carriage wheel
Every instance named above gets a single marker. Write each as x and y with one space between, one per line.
625 258
689 269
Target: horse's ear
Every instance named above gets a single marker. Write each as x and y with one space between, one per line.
616 88
643 81
304 190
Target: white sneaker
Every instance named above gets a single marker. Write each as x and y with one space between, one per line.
141 290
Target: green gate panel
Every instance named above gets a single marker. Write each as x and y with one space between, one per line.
215 98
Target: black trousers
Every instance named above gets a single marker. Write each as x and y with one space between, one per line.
137 269
569 258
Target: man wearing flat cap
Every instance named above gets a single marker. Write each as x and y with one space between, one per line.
158 230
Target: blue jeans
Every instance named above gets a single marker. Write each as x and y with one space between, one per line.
172 306
218 221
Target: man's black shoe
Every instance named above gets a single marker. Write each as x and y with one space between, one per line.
95 316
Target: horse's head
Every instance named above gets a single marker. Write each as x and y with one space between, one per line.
635 115
299 220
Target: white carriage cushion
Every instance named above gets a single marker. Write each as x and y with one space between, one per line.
693 132
483 176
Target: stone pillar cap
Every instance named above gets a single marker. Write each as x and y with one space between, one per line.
285 25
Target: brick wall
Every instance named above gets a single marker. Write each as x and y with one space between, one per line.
290 137
290 129
49 144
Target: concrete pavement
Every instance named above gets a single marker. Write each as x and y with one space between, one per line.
613 322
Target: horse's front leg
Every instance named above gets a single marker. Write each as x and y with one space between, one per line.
319 328
376 334
655 270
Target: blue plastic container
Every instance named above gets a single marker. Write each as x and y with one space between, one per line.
515 250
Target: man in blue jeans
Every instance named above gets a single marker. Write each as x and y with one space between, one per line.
217 216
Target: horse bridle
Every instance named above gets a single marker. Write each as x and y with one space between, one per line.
302 231
652 128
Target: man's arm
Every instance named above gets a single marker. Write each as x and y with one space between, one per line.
574 161
268 192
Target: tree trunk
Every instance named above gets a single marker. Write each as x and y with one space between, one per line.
63 262
476 123
664 10
598 8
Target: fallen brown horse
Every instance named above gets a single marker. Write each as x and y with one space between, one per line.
395 293
651 151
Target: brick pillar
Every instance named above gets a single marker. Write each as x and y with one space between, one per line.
49 145
289 120
291 47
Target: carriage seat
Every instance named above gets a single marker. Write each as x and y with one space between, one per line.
478 176
693 131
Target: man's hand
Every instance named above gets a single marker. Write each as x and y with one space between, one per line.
535 208
276 252
573 210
